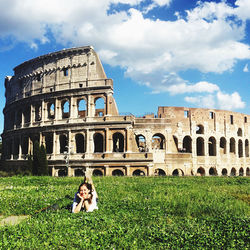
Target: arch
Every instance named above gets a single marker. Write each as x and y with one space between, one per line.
212 171
233 172
201 171
19 118
239 132
62 172
81 107
199 129
158 141
178 172
99 106
187 144
246 148
97 172
240 148
49 143
160 172
51 110
232 145
141 143
98 143
25 145
80 143
247 172
224 172
38 112
118 142
65 109
117 172
16 146
241 172
138 172
79 172
26 114
200 146
63 143
223 145
212 146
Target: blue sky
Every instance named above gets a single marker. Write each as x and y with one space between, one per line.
158 52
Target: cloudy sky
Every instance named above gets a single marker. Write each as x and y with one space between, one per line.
158 52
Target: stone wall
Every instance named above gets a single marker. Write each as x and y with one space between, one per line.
65 101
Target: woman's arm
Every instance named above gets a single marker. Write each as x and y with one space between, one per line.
78 207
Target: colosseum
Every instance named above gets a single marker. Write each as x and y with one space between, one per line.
64 101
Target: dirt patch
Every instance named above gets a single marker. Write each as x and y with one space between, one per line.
12 220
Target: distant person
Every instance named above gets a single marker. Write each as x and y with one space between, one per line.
85 198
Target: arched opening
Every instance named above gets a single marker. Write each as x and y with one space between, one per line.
232 145
97 172
178 172
212 171
158 141
51 110
19 118
98 143
99 107
240 148
212 146
63 143
49 143
79 172
239 132
160 172
65 109
26 114
224 172
200 146
247 172
223 145
138 172
199 129
246 148
62 172
38 112
241 172
141 143
187 144
233 172
81 106
118 142
9 149
117 172
201 171
80 145
16 147
25 145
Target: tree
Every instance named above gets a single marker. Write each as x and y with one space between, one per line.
40 163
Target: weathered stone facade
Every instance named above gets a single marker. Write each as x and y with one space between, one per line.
65 101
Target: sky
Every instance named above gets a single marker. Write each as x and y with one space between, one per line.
183 53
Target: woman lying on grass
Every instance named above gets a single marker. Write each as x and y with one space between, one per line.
85 198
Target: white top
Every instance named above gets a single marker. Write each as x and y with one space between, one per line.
92 206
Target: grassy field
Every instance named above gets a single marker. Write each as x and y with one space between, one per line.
137 213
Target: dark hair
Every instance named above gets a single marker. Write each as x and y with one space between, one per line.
88 186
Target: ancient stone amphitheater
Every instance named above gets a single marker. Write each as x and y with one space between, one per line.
64 101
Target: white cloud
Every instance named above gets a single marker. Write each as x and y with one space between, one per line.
230 102
152 51
246 68
220 100
199 87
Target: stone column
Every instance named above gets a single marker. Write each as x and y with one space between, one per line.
43 107
108 141
58 110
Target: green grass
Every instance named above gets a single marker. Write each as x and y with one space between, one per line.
137 213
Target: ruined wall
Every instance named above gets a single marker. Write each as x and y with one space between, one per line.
64 101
